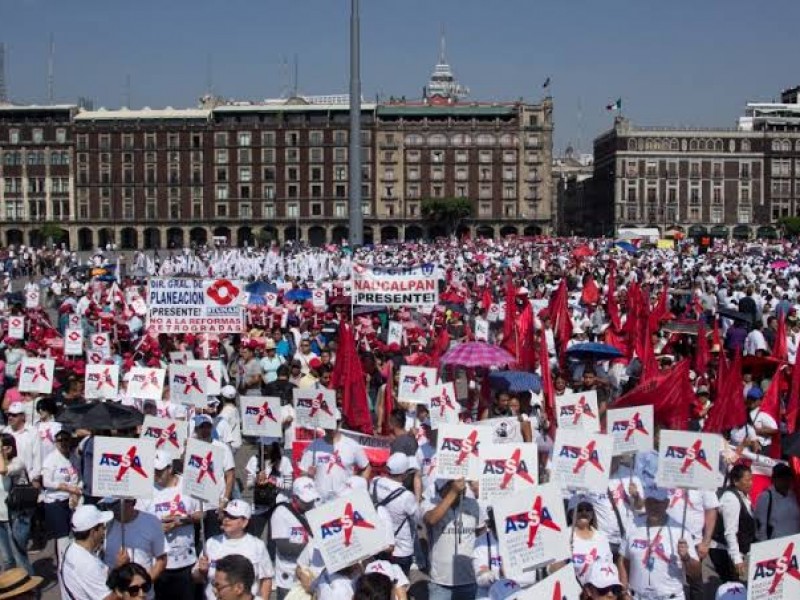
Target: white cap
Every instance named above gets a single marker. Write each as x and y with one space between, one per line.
179 411
87 516
384 567
162 460
602 575
238 508
398 464
16 408
305 490
228 392
731 591
523 291
502 589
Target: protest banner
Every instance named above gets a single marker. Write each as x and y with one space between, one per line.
415 383
689 460
578 411
36 375
531 530
458 449
561 585
74 321
395 333
504 429
73 342
187 385
100 342
495 313
203 477
32 298
631 429
16 328
123 467
315 408
183 305
318 298
213 371
582 462
261 416
146 383
399 287
271 299
375 447
502 470
773 571
101 382
347 530
480 279
180 358
169 435
481 330
442 404
94 358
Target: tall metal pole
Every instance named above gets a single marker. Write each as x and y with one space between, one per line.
356 216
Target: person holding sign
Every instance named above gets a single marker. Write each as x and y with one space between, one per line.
589 544
62 489
81 574
736 529
203 431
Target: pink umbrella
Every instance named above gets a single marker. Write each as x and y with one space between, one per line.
779 264
477 354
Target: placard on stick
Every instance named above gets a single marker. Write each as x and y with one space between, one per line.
261 416
503 470
169 435
578 411
415 383
213 371
442 404
146 383
458 449
774 570
73 342
36 375
187 385
631 429
561 584
689 460
123 467
101 382
582 462
16 327
315 408
505 430
203 477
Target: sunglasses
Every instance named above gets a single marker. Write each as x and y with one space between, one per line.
230 516
135 590
612 589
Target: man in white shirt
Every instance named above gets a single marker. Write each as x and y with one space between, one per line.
305 355
777 513
290 532
203 431
28 448
758 431
82 576
755 341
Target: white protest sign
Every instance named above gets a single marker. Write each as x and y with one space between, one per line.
271 299
73 342
395 333
415 383
494 313
32 298
123 467
504 429
169 435
532 530
261 416
146 383
181 357
36 375
101 343
315 408
74 321
558 586
503 470
184 305
16 328
101 382
347 530
396 286
481 330
582 462
631 429
318 298
578 411
93 357
480 279
187 385
203 477
213 371
773 569
442 404
458 449
689 460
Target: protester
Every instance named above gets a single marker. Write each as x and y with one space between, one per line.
736 529
82 575
16 583
14 524
129 581
62 489
290 532
234 578
777 513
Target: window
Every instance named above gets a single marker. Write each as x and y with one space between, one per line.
744 213
222 210
651 169
292 210
316 155
197 141
150 141
366 209
340 209
462 156
316 173
197 208
485 191
509 210
268 210
340 155
744 192
221 192
13 136
37 136
509 174
694 193
437 173
462 191
744 170
316 209
413 173
509 192
269 192
340 190
244 156
437 191
222 173
340 138
631 192
485 209
716 194
173 140
292 174
694 169
245 174
462 174
61 136
315 138
340 173
174 208
412 191
105 141
293 190
292 155
781 167
316 190
716 214
245 210
245 191
437 156
413 156
716 170
221 138
485 156
221 157
245 138
672 194
269 173
291 138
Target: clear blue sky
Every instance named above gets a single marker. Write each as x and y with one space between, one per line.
682 62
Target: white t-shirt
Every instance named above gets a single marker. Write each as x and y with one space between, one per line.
334 463
58 469
699 502
227 465
402 513
285 526
230 415
606 518
47 437
248 546
587 552
759 419
172 502
83 574
426 459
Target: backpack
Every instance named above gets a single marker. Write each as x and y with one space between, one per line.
388 500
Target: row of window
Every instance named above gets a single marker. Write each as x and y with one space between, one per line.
413 191
437 173
670 169
37 209
16 136
36 158
631 193
459 156
683 145
36 185
693 214
462 139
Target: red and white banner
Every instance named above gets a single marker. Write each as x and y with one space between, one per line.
503 470
582 462
183 305
773 569
631 429
73 342
101 382
213 371
458 448
578 411
261 416
187 385
169 435
315 408
32 298
146 383
100 342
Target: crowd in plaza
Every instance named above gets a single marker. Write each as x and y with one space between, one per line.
705 335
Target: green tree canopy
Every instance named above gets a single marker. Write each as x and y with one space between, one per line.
447 212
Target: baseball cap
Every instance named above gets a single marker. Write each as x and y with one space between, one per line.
87 516
502 589
203 420
238 508
162 460
384 567
228 392
305 490
397 464
16 408
731 591
656 493
755 393
603 575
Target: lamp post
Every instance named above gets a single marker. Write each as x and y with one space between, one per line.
356 228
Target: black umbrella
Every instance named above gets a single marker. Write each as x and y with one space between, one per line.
735 315
100 416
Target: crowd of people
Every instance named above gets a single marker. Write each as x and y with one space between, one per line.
727 317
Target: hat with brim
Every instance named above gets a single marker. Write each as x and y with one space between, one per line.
16 582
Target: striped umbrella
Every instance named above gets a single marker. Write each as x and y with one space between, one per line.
477 354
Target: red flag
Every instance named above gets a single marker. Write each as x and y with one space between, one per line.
548 391
660 310
701 354
388 397
558 309
771 405
440 346
348 376
509 337
670 393
486 299
526 352
793 404
716 341
728 410
611 299
590 295
781 350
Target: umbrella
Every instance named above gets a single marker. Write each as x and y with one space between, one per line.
735 315
297 295
256 299
100 416
260 288
477 354
593 351
779 264
627 246
516 381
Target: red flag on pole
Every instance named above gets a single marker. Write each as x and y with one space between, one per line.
670 394
728 410
548 391
509 331
771 405
793 404
590 295
388 397
781 348
701 354
558 309
348 376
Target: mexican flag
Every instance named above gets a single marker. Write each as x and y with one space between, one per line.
615 105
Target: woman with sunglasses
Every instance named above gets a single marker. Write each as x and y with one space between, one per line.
589 544
129 581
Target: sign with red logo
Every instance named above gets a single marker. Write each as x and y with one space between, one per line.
181 357
146 383
773 569
213 371
561 585
394 334
183 305
481 330
416 384
93 357
532 530
495 312
32 298
458 449
442 404
123 467
396 286
578 411
36 375
74 321
582 462
261 416
315 408
503 470
100 342
73 342
187 385
203 477
101 382
319 298
631 429
169 435
689 460
16 328
347 530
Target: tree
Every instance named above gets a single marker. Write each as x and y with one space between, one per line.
51 233
791 226
447 212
